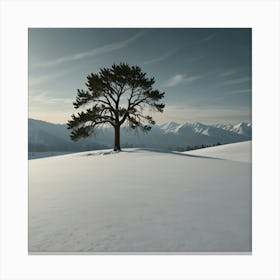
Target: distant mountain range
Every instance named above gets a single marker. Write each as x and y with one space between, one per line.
44 136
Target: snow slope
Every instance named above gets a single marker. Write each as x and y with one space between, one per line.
237 151
139 201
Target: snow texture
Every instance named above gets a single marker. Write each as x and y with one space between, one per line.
142 200
235 152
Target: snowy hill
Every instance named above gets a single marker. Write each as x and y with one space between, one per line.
235 152
43 136
141 200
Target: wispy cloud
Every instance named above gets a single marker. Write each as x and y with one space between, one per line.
162 57
42 98
228 72
180 79
209 37
234 71
242 91
204 114
49 108
35 80
172 52
196 58
94 52
236 81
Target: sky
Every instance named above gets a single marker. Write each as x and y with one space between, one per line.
204 72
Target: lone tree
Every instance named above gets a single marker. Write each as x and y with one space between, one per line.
115 96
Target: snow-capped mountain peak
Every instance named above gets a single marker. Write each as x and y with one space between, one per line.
169 127
242 128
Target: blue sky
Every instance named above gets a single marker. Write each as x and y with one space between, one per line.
205 72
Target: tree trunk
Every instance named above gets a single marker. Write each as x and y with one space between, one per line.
117 146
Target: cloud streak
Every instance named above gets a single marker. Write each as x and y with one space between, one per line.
174 51
209 37
49 108
35 80
242 91
41 98
161 58
180 79
235 81
229 72
94 52
207 115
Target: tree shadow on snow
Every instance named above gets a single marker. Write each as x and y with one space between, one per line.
137 150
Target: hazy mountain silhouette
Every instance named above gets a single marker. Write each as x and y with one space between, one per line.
44 136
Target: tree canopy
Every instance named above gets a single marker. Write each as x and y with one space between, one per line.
115 96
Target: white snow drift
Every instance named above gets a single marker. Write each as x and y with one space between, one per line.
141 201
236 152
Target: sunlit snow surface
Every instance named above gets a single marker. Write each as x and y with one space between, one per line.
142 201
235 152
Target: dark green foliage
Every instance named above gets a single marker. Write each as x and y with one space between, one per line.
115 96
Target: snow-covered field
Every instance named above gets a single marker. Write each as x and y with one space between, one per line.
35 155
236 152
142 201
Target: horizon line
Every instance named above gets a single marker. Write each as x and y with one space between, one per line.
157 124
